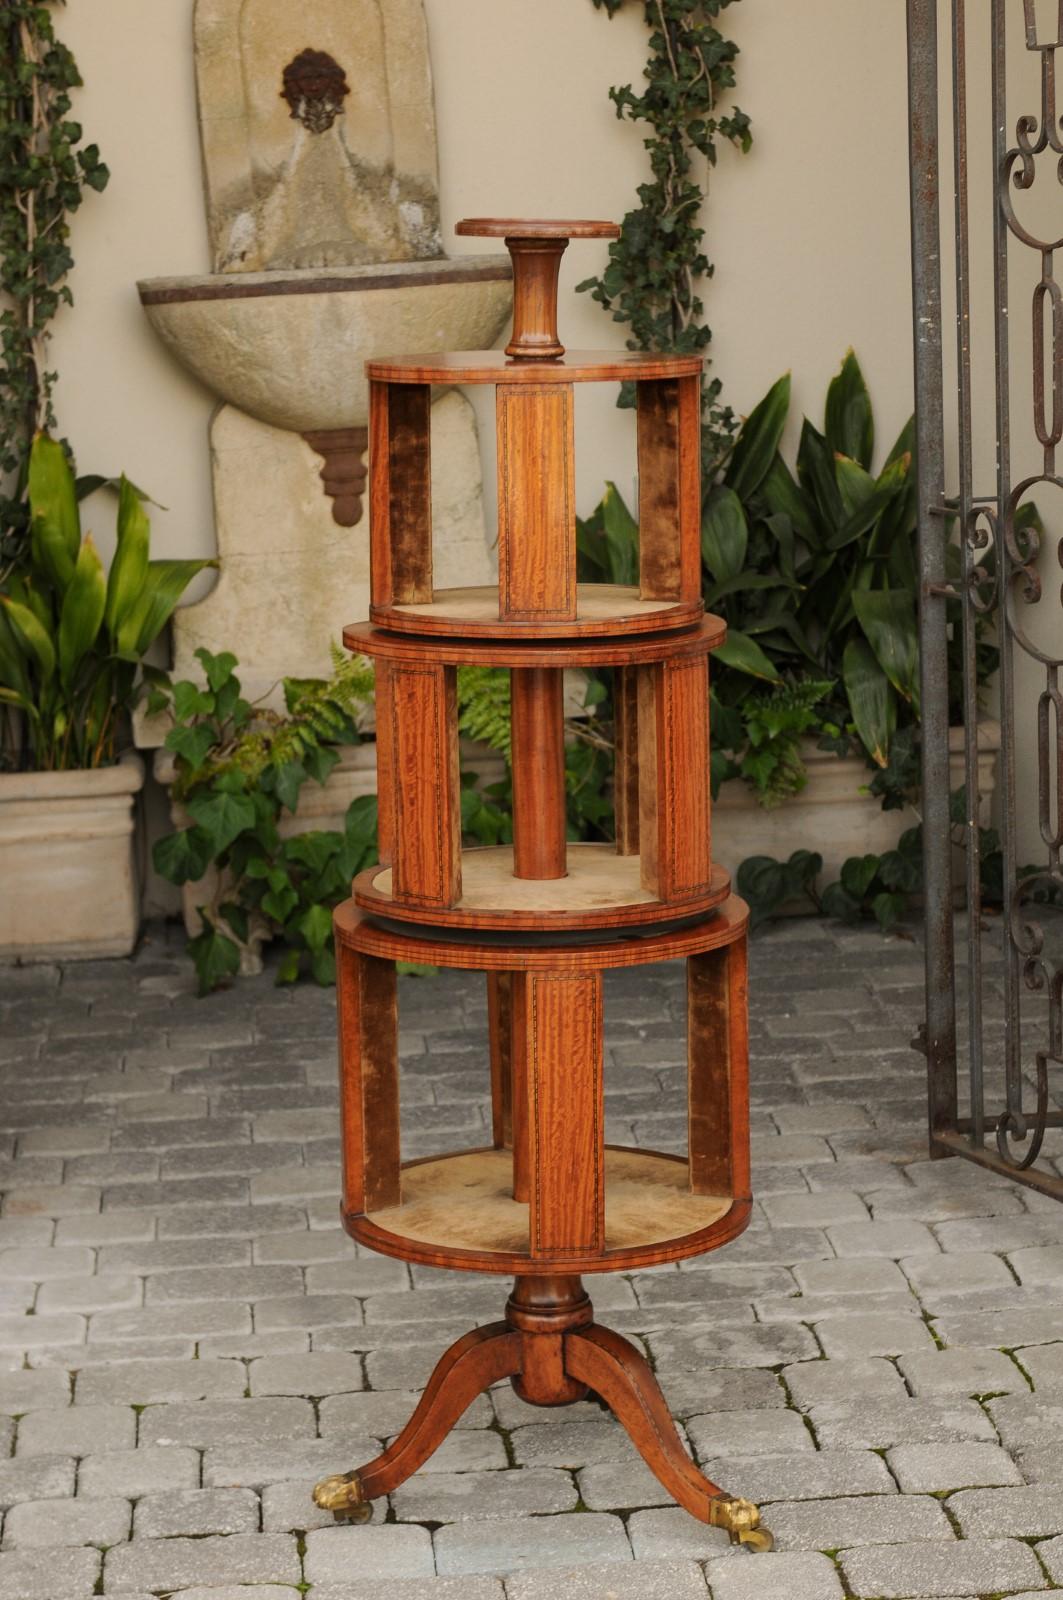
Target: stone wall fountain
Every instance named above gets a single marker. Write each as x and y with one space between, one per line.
319 152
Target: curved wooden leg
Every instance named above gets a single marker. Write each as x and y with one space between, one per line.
469 1367
614 1369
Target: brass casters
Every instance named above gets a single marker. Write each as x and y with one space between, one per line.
741 1519
342 1495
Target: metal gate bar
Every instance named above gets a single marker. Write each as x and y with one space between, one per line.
997 571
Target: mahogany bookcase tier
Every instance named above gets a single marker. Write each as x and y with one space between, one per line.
536 460
548 1196
547 1200
661 865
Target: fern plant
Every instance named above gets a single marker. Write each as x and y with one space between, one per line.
773 722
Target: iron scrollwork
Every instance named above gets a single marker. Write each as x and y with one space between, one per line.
1021 559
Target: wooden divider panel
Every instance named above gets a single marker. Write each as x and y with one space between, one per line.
674 800
400 493
557 1039
669 447
424 785
369 1080
718 1071
499 1029
536 505
626 774
385 763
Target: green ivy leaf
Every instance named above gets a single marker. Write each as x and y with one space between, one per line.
182 857
315 925
189 701
222 817
288 968
216 959
218 668
191 744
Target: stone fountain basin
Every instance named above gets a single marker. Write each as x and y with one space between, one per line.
290 347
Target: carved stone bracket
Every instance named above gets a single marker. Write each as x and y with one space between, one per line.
343 470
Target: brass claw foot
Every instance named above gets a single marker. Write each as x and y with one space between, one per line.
741 1519
342 1495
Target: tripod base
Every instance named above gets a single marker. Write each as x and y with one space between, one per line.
553 1353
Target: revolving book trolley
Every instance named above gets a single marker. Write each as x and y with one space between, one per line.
548 1201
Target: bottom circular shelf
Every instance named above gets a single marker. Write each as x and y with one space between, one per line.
602 890
458 1211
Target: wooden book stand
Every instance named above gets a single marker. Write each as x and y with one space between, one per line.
543 919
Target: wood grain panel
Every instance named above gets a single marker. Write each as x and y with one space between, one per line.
400 493
385 764
718 1071
674 801
557 1019
626 775
427 801
536 507
369 1081
499 1031
669 451
538 765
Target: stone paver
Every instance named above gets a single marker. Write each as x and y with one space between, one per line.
206 1342
804 1576
968 1567
935 1467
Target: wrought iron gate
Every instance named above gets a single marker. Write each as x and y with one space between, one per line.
989 573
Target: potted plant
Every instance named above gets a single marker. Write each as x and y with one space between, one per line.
72 643
815 698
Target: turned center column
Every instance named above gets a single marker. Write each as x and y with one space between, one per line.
544 1309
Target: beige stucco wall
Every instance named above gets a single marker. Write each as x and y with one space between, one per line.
809 233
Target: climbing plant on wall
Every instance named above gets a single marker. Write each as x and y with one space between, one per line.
655 267
44 172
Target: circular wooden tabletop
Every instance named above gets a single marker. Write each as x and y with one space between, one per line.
535 228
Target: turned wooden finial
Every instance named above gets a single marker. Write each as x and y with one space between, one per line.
536 249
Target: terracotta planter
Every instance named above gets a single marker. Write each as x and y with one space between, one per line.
67 864
834 815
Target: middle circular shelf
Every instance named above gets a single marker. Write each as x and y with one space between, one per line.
678 644
601 890
602 609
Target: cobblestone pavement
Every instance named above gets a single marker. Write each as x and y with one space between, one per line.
188 1340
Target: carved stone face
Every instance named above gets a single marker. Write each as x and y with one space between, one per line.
315 88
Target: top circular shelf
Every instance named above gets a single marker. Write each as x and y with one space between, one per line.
523 228
494 366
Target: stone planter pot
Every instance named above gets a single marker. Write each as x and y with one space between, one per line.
833 815
67 864
321 807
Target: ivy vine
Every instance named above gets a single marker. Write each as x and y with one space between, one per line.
44 171
651 282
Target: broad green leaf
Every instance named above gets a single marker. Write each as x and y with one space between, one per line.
12 662
744 655
724 535
758 441
748 582
838 902
871 699
783 496
164 584
315 925
319 761
889 909
55 523
888 618
33 640
323 968
313 850
858 874
863 517
182 857
621 537
854 484
193 744
222 817
219 668
82 610
189 701
850 424
590 545
817 476
287 781
280 901
216 958
236 918
130 565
